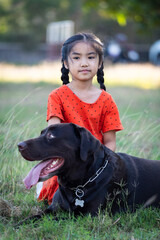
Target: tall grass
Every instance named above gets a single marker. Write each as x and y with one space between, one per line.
23 117
142 136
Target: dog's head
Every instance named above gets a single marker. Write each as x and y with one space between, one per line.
62 148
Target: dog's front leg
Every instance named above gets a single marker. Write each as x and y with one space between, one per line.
59 202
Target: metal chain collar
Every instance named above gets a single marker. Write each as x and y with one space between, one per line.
78 190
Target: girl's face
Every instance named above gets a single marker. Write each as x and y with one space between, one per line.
83 62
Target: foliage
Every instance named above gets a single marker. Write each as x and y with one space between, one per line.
26 20
145 12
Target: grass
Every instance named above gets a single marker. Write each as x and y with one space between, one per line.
22 116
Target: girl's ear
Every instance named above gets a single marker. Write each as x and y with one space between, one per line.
100 65
66 64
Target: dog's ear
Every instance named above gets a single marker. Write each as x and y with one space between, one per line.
88 143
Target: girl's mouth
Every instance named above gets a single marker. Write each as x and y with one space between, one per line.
85 71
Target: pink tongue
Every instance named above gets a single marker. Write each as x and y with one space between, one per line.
33 176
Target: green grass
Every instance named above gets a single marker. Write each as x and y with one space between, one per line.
22 116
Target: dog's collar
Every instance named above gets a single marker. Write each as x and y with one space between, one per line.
79 192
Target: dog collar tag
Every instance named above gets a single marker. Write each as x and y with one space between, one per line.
79 192
79 202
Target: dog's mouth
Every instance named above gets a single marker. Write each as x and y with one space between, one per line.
42 170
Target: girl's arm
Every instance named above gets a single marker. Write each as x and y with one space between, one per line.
109 140
54 120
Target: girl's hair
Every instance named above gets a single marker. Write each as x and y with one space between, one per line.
96 44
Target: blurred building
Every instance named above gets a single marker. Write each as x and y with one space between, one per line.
57 33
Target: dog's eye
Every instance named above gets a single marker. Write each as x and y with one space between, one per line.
50 136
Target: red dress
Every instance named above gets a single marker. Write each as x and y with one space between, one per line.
98 117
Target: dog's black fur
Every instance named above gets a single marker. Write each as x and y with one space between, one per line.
126 181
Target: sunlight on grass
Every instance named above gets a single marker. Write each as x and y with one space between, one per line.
144 76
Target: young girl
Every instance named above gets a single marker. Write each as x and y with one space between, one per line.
79 101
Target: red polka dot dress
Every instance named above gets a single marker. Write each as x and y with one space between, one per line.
98 117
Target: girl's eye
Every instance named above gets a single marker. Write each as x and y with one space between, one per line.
91 57
76 58
50 136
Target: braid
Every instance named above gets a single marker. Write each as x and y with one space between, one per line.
64 76
100 77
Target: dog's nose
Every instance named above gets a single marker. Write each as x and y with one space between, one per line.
22 146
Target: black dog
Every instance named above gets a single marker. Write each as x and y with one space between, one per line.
90 175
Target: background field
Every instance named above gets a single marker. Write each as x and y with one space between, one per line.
22 115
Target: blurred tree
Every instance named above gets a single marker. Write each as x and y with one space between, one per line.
26 20
144 12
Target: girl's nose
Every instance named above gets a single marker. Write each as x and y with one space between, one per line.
84 62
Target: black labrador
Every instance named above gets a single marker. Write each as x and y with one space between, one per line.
90 175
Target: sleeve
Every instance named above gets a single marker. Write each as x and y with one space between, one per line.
54 106
111 118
